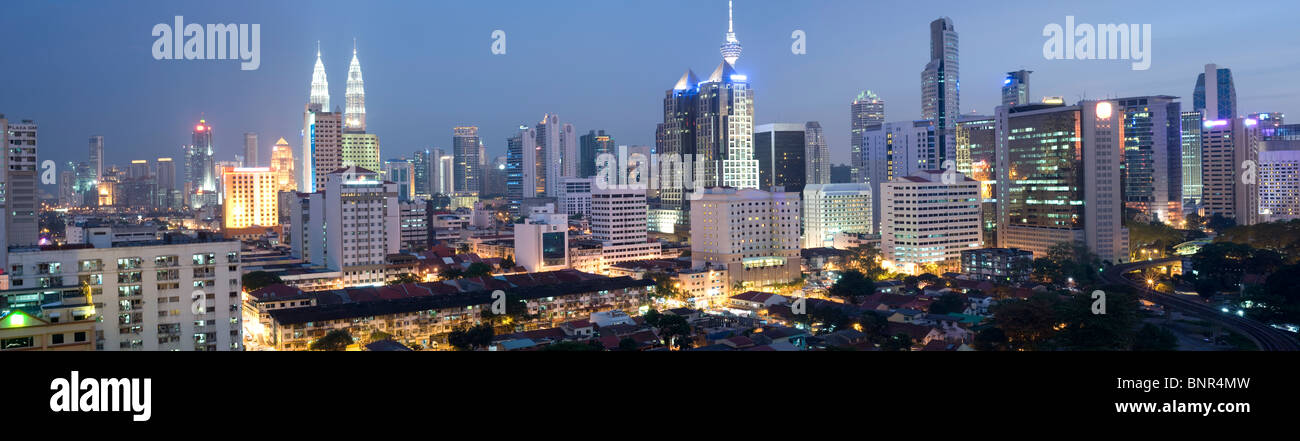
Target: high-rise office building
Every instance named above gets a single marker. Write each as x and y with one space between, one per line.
780 149
1015 88
521 168
1228 187
495 184
282 165
97 156
894 150
832 209
465 146
817 156
250 150
1279 181
977 159
751 233
4 193
1217 97
593 144
1153 173
930 217
867 110
251 199
423 172
618 222
941 86
557 153
201 169
355 242
725 129
361 150
402 173
446 174
355 114
676 138
1060 177
19 185
1191 160
324 150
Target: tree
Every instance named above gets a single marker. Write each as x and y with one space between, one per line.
1278 300
900 342
627 344
451 273
1082 329
665 285
1220 266
256 280
378 335
507 264
1220 223
950 303
1027 324
674 330
469 339
463 248
478 269
1153 338
403 279
1195 221
991 339
853 284
336 340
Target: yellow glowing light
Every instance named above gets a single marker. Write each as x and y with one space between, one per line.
1105 110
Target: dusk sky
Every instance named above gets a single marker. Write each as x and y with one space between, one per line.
85 68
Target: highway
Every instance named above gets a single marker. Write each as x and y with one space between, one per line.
1266 337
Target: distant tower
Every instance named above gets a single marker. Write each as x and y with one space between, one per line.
320 88
1015 88
355 114
731 48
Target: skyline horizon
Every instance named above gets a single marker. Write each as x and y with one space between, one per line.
776 101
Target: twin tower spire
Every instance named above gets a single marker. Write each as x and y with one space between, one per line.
354 116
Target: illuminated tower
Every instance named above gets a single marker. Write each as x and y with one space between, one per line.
320 87
355 113
731 48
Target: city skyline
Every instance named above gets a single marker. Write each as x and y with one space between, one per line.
622 97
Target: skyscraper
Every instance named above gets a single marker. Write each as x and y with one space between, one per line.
355 114
251 199
941 85
1048 158
423 168
557 153
97 156
19 185
893 150
731 47
360 149
1015 88
324 148
355 242
4 193
320 87
676 138
817 157
200 169
780 150
1191 158
868 109
282 165
725 129
977 159
1228 187
1219 98
1153 174
250 150
402 173
464 147
521 168
166 175
593 144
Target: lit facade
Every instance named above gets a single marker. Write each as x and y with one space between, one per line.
752 234
929 221
832 209
1227 188
251 198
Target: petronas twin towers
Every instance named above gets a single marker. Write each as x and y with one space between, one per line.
354 118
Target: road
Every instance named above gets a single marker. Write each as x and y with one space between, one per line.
1266 337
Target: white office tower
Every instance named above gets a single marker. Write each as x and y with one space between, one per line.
1060 178
865 111
542 241
817 157
320 86
349 227
97 156
1279 181
557 153
930 218
833 209
176 294
752 234
20 189
618 222
1230 185
725 130
896 149
575 196
355 113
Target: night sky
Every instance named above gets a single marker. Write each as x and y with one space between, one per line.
85 68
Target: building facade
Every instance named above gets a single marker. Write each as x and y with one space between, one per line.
929 221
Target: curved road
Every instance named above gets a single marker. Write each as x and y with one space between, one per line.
1266 337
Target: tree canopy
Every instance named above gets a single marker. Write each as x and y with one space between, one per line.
256 280
336 340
